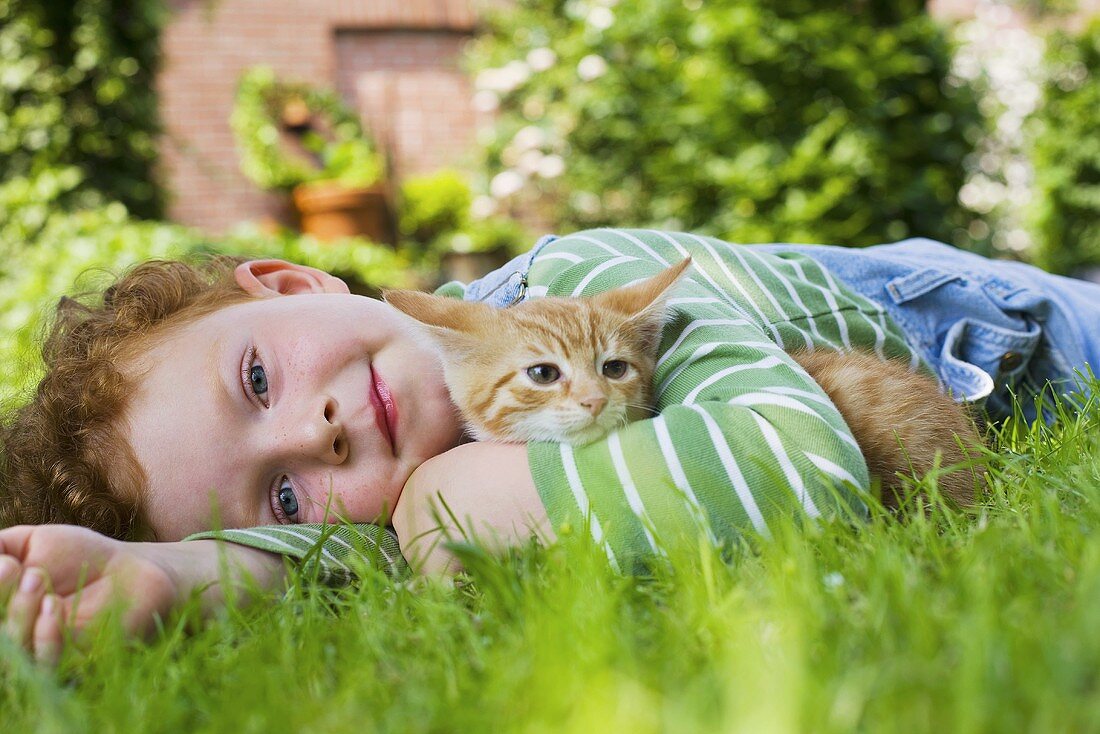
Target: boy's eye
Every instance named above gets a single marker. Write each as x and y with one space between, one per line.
254 376
284 502
258 379
543 374
614 368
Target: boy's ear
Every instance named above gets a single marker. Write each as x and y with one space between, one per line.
268 278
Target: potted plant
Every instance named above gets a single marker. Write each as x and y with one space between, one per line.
305 141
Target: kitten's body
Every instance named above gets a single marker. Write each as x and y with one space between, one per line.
902 422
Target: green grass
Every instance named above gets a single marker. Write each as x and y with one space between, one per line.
987 620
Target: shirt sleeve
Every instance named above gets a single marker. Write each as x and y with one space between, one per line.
337 554
743 434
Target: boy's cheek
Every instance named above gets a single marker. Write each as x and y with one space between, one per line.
360 504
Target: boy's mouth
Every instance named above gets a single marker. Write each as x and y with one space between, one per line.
385 412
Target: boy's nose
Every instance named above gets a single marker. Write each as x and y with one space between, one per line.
319 433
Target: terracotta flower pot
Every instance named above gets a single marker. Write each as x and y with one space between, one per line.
329 210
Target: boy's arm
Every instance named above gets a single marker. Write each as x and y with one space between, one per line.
58 577
481 491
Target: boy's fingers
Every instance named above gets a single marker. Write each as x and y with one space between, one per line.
24 606
47 631
9 577
13 540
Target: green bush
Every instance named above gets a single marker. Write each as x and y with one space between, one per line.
749 119
437 217
83 251
334 147
1066 155
78 116
434 204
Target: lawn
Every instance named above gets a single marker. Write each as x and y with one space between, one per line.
953 621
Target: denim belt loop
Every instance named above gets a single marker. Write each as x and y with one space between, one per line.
507 285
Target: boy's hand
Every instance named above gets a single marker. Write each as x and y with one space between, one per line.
486 488
46 569
61 576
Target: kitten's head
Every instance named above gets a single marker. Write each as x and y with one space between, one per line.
549 369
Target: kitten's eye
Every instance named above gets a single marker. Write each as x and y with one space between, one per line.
614 368
544 374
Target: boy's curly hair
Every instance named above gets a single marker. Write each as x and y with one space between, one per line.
65 458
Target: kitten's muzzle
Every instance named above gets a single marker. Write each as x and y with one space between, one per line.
594 404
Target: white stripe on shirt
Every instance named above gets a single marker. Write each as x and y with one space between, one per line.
733 471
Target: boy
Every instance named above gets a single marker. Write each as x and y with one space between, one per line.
325 406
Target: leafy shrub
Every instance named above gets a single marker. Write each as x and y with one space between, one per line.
78 114
434 204
749 119
27 202
437 217
1066 155
332 144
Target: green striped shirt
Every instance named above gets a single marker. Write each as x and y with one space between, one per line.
743 435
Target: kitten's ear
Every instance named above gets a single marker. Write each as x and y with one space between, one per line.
439 311
647 296
645 305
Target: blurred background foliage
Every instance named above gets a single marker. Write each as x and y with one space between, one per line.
439 214
78 107
754 120
341 151
1066 155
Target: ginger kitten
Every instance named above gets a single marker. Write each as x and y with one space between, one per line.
550 369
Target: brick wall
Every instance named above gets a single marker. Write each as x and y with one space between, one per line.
396 61
409 92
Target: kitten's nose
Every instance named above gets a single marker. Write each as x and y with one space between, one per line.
594 404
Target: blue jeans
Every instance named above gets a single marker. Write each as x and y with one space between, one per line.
989 328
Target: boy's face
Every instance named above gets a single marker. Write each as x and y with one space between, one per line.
283 409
